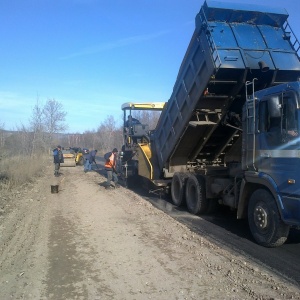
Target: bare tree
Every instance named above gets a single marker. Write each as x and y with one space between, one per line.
109 135
88 139
39 142
20 142
54 118
147 117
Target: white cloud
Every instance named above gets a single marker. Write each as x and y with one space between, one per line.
116 44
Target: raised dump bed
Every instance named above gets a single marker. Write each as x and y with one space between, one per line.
231 44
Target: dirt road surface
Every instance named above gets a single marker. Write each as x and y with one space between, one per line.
85 242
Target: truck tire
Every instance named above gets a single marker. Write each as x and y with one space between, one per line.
195 195
178 186
264 220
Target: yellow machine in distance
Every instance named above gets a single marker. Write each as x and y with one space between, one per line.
137 135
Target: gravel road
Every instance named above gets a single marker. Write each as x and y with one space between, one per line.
85 242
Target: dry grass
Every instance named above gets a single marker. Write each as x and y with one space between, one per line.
17 170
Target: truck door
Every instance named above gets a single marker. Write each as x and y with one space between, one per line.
278 140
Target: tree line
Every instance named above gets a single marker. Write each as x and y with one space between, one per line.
47 129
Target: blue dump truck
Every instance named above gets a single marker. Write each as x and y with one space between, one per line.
229 134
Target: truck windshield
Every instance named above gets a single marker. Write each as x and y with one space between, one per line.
282 131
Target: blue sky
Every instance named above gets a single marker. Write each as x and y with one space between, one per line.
94 55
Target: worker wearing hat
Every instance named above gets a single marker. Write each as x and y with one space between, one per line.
110 167
57 159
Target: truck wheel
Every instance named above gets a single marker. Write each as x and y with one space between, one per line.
178 188
195 195
264 220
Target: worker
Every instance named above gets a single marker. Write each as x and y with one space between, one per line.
91 157
131 121
110 167
129 130
58 158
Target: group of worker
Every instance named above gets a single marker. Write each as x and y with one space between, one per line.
90 158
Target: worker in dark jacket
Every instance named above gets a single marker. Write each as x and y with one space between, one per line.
91 157
57 159
110 167
131 121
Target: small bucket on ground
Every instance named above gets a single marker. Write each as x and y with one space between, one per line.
54 189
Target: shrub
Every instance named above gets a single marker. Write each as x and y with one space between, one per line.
17 170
